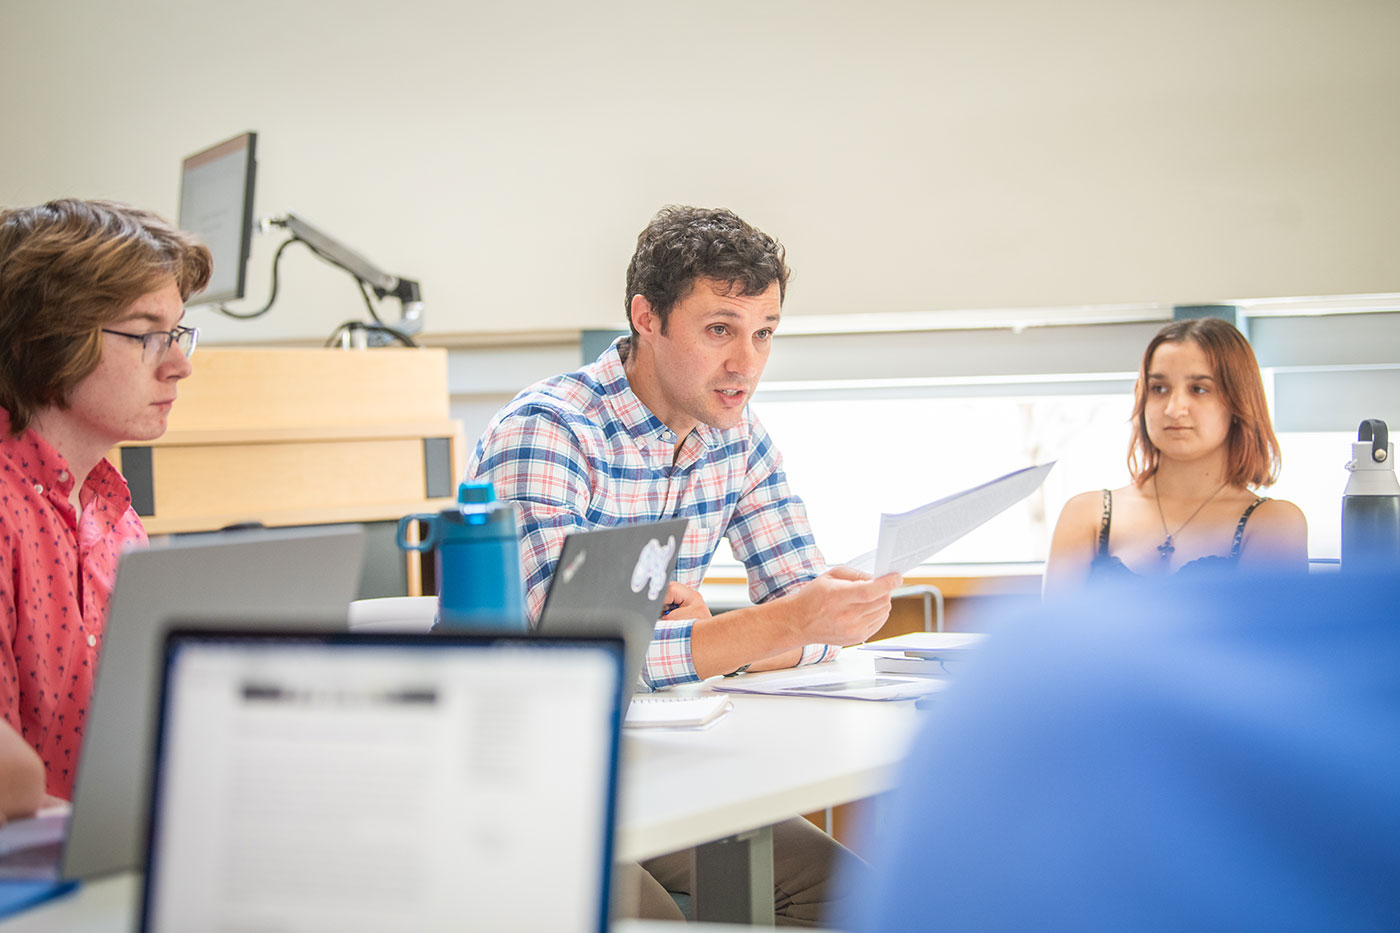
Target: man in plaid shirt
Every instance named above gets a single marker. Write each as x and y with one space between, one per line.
659 427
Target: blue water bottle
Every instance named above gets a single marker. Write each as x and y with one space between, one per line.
477 561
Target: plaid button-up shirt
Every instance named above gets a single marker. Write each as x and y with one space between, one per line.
581 451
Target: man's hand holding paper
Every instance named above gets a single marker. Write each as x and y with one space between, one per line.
843 606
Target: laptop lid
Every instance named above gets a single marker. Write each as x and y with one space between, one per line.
266 577
383 782
613 582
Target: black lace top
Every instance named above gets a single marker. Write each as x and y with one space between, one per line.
1107 567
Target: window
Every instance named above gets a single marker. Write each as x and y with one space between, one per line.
852 458
865 427
854 453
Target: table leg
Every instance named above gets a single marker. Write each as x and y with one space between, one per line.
734 879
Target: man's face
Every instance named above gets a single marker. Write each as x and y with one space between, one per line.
709 359
125 399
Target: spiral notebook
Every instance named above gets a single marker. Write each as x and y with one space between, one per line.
679 712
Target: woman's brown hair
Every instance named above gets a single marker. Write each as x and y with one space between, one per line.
1253 457
67 269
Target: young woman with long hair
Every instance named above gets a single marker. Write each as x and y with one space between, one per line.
1202 443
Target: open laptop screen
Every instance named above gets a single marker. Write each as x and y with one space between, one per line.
303 577
373 782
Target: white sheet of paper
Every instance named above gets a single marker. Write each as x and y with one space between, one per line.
46 827
929 644
825 681
909 538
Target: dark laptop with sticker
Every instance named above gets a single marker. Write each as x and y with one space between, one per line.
613 582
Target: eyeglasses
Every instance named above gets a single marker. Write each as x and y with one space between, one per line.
155 345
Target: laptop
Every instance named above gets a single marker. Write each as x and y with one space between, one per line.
613 582
265 577
351 781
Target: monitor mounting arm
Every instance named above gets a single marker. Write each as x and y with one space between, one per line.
383 284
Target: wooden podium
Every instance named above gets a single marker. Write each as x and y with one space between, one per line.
300 437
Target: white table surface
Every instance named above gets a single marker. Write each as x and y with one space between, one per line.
109 905
768 759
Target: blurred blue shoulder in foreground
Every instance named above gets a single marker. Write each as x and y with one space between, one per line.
1217 756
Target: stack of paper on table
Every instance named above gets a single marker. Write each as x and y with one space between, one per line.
821 680
926 653
675 712
29 859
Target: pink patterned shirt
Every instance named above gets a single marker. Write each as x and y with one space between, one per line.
58 572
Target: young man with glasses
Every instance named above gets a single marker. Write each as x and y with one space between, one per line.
91 298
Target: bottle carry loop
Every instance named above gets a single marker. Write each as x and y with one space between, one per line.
1374 430
429 540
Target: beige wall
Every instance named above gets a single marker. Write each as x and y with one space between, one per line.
913 155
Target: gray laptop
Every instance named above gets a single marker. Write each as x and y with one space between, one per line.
308 575
613 582
368 782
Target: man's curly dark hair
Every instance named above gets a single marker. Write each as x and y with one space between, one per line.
683 244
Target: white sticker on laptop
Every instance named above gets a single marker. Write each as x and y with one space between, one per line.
574 565
651 567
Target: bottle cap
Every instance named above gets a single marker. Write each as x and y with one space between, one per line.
475 493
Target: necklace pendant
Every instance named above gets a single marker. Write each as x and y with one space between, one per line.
1166 549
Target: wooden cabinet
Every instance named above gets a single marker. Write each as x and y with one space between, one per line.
300 437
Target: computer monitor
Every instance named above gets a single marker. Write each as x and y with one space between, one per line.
216 204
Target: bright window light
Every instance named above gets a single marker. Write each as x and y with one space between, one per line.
851 459
1314 477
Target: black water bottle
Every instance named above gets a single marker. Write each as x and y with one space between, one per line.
1371 503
